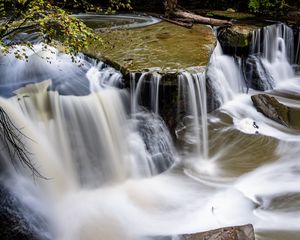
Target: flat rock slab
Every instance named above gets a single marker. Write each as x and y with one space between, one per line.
245 232
163 45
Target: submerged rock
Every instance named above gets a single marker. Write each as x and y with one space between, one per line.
271 108
245 232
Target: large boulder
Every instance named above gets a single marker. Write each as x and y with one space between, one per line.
271 108
245 232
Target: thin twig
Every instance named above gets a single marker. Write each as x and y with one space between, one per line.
12 140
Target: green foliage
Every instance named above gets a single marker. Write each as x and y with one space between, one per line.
266 5
56 25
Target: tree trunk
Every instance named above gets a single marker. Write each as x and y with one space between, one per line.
171 10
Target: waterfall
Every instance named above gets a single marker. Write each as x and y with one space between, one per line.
98 144
192 91
225 76
268 64
267 42
79 132
272 48
111 170
151 81
191 104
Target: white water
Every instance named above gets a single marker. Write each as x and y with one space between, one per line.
225 76
100 168
275 46
151 81
192 91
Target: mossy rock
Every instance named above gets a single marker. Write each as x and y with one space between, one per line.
234 41
164 45
230 37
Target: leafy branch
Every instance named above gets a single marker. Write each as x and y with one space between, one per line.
57 27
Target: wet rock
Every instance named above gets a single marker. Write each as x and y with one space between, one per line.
159 146
257 76
245 232
272 109
296 69
155 46
18 221
213 101
234 42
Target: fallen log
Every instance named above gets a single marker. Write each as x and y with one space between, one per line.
200 19
173 10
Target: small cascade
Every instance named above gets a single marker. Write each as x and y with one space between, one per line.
68 75
267 42
193 117
149 80
191 106
102 76
268 64
144 92
157 140
271 55
225 77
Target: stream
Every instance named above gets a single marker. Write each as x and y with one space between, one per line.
111 167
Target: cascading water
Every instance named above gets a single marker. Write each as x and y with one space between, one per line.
74 137
272 186
272 51
225 76
99 160
192 91
267 42
151 78
192 110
